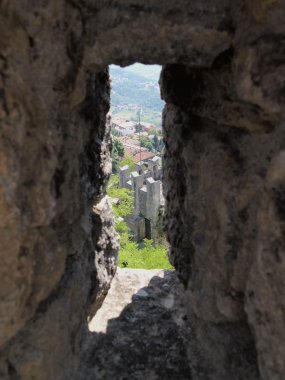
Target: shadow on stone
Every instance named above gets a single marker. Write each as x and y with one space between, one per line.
153 339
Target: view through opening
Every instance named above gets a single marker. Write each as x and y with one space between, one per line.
135 188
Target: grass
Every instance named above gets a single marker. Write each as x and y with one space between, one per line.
147 257
143 255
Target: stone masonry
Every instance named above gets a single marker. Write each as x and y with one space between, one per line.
148 199
223 176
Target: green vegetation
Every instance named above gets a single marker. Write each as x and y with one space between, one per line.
132 254
136 87
118 152
147 257
128 161
146 143
153 144
118 147
157 144
139 128
155 132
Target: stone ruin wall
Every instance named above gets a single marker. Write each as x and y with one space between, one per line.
58 246
146 188
223 83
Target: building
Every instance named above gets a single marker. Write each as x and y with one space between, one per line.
133 149
148 199
144 155
123 127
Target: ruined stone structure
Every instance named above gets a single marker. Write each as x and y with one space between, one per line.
148 199
224 176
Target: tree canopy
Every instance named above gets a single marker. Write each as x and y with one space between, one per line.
146 143
128 161
118 147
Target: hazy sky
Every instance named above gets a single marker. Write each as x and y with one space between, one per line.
149 71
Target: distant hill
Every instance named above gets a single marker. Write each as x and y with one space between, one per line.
136 87
151 72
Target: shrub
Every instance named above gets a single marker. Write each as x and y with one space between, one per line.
128 161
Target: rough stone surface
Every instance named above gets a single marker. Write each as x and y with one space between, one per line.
147 193
223 83
223 181
142 332
57 243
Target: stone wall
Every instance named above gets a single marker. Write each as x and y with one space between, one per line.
147 198
225 143
224 169
57 244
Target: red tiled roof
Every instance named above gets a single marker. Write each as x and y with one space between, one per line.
128 141
131 151
143 156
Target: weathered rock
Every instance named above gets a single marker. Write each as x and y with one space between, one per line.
142 332
57 254
223 181
223 83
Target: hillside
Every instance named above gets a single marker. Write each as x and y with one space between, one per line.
151 72
136 87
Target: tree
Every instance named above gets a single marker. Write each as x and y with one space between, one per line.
118 152
153 132
118 148
146 143
139 128
128 161
155 142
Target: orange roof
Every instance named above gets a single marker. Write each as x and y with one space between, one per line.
131 151
128 141
143 156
